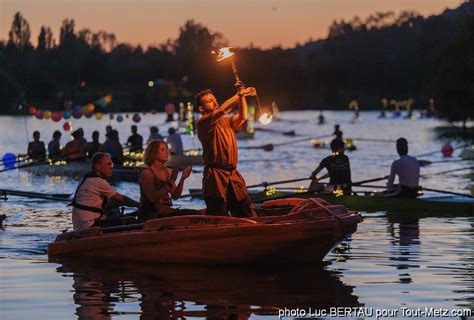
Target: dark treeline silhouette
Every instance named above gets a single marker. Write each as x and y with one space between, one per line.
385 55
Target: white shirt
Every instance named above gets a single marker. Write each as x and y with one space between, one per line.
91 193
407 168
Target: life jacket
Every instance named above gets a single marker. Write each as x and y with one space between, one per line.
77 205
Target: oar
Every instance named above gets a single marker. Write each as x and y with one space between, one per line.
35 195
374 140
424 163
448 192
447 171
271 146
437 151
265 184
285 133
358 183
31 164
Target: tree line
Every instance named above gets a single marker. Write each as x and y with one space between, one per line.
382 56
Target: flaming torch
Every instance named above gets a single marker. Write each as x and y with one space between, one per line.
225 53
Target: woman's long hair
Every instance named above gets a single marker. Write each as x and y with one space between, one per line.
150 152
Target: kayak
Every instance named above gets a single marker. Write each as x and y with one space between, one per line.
441 205
288 231
77 170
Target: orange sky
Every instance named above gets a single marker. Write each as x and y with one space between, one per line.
265 23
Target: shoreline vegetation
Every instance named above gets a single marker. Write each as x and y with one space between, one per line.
404 57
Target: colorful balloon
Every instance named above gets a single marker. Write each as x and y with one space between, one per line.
67 105
88 114
67 126
447 150
47 115
99 115
39 114
170 108
136 118
66 115
32 109
57 116
108 99
119 118
90 107
111 116
76 114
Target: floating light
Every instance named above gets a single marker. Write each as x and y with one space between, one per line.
265 119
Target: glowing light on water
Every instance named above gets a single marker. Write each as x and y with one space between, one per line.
265 119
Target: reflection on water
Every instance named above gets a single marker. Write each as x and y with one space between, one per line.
158 292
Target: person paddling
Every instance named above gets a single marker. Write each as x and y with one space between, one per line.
224 189
135 141
94 192
407 168
338 167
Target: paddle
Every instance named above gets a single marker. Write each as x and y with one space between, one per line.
31 164
265 184
424 163
271 146
448 171
374 140
437 151
285 133
35 195
358 183
427 189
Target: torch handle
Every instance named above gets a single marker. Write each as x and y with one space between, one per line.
234 69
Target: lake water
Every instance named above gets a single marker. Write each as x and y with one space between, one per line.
391 266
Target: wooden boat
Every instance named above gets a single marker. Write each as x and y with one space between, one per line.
440 205
289 231
77 170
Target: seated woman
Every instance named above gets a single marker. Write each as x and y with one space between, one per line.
158 184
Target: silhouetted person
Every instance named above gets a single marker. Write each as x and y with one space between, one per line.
135 141
113 147
321 118
154 135
36 149
175 142
337 132
75 150
54 146
93 146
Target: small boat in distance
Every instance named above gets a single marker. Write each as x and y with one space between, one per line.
288 231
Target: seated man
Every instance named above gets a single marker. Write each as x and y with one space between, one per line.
113 147
135 141
407 168
93 146
54 146
75 149
93 193
338 167
36 149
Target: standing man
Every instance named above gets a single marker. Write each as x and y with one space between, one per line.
90 200
407 168
135 141
223 187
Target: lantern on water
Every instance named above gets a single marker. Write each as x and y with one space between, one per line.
67 126
56 116
32 109
119 118
39 114
47 115
99 115
66 115
136 118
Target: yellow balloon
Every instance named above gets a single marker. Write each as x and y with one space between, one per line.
90 107
99 115
47 115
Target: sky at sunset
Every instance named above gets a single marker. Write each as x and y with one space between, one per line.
265 23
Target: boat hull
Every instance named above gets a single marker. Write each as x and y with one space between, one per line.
215 240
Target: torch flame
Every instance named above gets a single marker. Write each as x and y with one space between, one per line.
265 119
224 53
